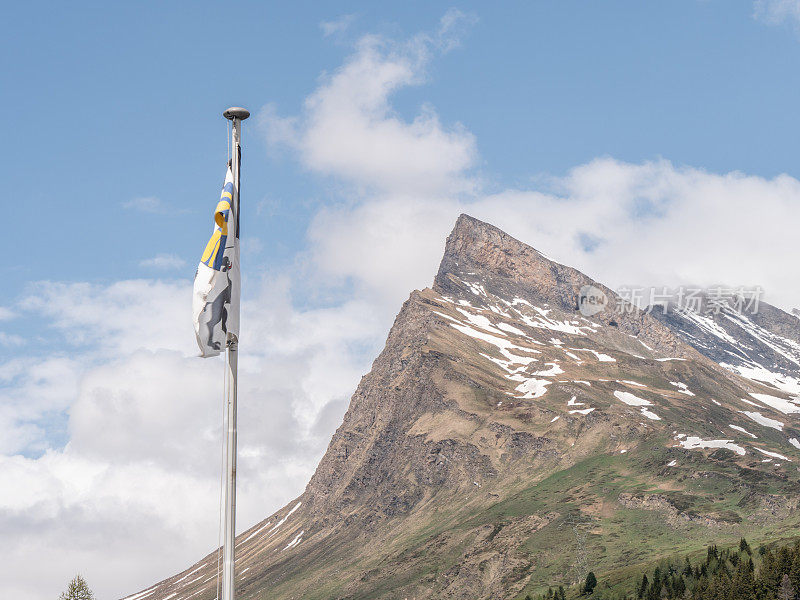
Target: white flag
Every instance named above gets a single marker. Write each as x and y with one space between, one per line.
215 304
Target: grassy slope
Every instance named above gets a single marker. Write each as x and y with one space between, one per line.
619 543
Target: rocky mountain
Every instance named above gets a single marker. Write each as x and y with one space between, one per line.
503 442
745 335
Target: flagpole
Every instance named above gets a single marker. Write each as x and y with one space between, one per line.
236 115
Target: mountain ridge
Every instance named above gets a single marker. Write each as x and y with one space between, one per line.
468 446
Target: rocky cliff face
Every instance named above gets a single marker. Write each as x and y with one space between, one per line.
503 441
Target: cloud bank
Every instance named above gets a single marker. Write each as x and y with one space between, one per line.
778 11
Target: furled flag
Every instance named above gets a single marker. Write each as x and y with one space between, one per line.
215 304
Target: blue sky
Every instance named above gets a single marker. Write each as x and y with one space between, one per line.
113 102
665 133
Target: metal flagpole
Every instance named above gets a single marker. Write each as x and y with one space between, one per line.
236 115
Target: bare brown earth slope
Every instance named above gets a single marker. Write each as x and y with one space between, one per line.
503 442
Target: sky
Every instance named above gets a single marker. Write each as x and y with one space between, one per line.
647 144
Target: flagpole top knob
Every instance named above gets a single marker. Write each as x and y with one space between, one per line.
236 112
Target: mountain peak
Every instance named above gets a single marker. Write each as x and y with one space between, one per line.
478 250
475 244
466 224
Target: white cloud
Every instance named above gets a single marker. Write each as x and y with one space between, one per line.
141 467
337 26
349 129
32 391
119 318
405 236
658 224
10 339
163 262
654 224
778 11
148 204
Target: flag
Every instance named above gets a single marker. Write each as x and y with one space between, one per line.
215 303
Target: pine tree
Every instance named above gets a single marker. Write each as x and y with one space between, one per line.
654 593
679 586
77 590
561 595
590 583
786 591
743 585
744 546
642 587
687 569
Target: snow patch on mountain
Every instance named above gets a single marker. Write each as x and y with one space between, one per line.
541 321
762 420
283 520
682 388
787 348
706 324
256 532
781 404
532 388
598 355
503 345
696 443
631 400
297 539
143 594
554 369
634 383
510 328
743 430
650 415
480 321
773 454
757 373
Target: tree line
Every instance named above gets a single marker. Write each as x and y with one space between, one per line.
737 573
730 574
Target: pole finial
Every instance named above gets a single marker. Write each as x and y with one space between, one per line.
236 112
